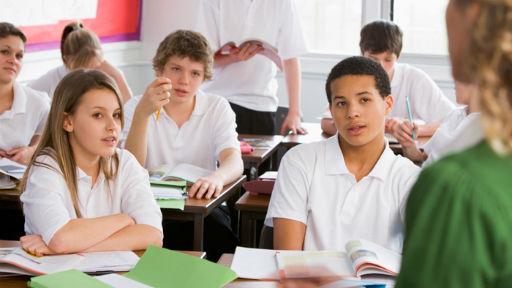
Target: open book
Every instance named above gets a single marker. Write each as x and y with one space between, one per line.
182 171
19 262
268 51
361 258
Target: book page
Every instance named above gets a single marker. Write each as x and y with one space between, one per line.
107 261
12 168
370 258
253 263
187 172
313 264
162 192
158 173
40 265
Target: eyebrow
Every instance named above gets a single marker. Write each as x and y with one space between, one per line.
103 108
362 93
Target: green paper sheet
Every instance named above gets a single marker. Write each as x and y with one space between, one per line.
159 267
65 279
171 203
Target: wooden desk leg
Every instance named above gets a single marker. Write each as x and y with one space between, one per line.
246 229
198 232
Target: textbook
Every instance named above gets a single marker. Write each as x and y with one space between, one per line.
182 171
361 258
165 190
19 262
268 51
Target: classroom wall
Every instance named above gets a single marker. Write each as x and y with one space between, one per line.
159 18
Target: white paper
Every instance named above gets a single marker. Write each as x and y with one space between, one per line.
252 263
165 192
108 261
119 281
12 168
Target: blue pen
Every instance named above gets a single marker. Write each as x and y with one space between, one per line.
409 112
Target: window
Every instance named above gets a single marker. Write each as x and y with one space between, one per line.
423 24
331 26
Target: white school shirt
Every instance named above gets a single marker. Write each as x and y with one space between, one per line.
458 132
26 118
47 204
49 81
428 102
252 83
210 129
315 187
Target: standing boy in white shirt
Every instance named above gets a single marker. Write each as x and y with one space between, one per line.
244 77
381 41
350 185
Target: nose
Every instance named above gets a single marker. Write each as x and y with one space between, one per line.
184 78
112 124
353 111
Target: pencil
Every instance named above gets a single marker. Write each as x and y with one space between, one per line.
157 114
409 112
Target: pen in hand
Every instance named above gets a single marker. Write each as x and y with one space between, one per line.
409 113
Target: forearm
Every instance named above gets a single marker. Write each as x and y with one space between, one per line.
79 234
427 130
231 166
136 141
288 234
220 60
134 237
293 82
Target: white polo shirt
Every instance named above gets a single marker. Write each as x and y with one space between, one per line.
49 81
251 83
315 187
210 129
428 102
47 204
458 132
26 118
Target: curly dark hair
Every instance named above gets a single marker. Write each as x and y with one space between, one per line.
381 36
359 65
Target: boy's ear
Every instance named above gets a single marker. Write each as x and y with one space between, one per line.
388 100
67 124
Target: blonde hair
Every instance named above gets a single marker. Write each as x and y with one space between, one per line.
78 46
490 61
55 140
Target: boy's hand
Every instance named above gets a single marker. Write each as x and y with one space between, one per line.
402 130
207 187
156 96
292 123
35 245
238 54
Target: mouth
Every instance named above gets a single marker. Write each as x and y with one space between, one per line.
10 70
110 141
180 92
356 129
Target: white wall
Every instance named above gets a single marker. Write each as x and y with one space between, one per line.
159 18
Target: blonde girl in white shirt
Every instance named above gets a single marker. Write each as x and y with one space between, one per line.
80 48
81 193
23 111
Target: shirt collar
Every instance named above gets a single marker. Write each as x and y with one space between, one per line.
201 103
19 105
335 163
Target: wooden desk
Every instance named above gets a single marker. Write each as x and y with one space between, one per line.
197 209
226 260
264 146
21 281
251 208
314 134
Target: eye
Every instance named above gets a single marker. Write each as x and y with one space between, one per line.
117 115
341 103
365 99
175 69
97 115
5 52
19 56
196 74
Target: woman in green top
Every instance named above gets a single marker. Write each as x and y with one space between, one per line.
459 213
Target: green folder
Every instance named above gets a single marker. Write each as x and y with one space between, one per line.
159 267
65 279
172 183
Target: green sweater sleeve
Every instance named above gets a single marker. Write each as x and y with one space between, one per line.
457 231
